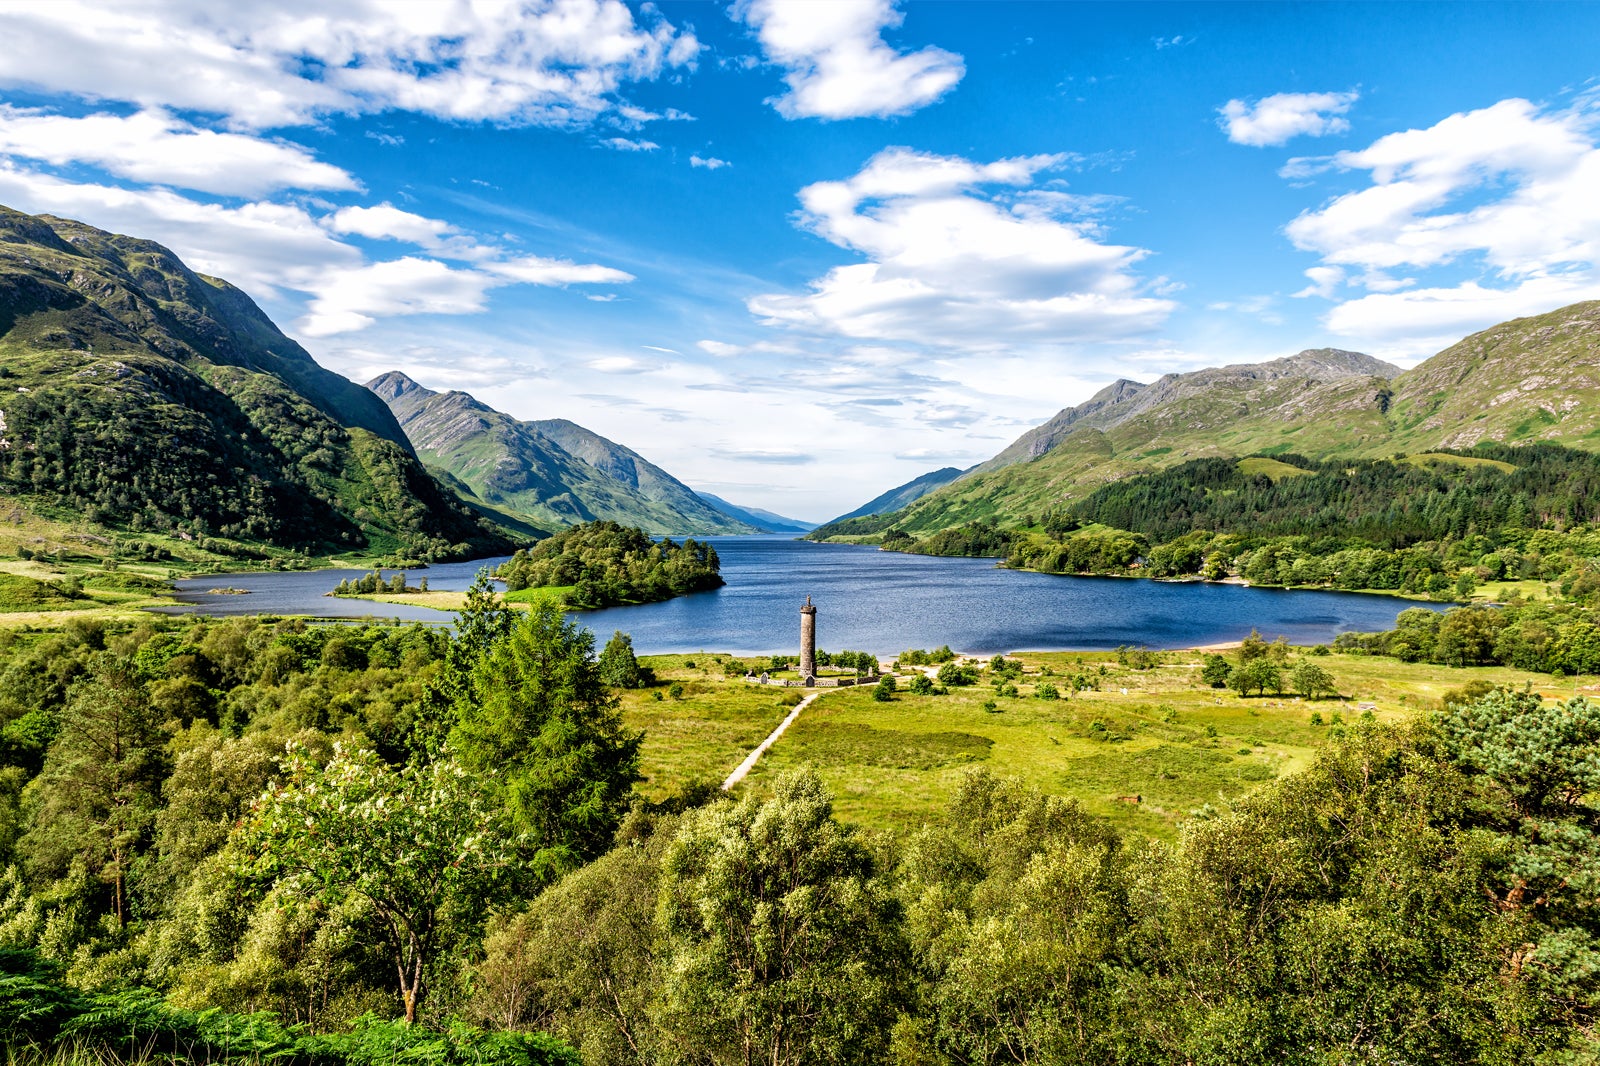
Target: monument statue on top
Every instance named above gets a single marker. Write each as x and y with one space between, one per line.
808 642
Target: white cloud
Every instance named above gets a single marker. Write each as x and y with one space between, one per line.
624 144
950 265
1276 119
544 62
440 238
1324 282
349 300
265 248
709 162
721 349
837 63
622 364
387 222
260 247
1493 210
533 270
154 147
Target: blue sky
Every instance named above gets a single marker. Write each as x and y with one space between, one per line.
799 251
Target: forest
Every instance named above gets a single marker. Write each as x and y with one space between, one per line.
252 839
1381 503
602 564
164 452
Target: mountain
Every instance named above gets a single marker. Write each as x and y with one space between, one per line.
766 521
157 401
1526 380
1204 399
552 472
902 495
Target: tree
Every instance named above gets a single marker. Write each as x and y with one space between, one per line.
1214 670
1252 647
1257 675
421 845
618 665
483 622
98 794
542 720
782 946
581 960
1312 681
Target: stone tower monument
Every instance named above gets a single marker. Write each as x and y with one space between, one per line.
808 640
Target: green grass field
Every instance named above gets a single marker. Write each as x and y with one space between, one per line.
1272 468
708 732
1155 734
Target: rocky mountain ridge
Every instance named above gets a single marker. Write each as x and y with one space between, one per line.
1527 380
554 472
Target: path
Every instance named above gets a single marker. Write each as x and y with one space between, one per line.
772 738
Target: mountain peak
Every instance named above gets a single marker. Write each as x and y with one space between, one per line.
394 385
1337 361
553 472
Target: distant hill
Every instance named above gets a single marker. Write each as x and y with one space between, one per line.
766 521
1532 379
554 472
902 495
153 400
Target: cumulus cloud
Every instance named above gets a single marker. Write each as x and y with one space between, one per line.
626 144
1492 210
951 263
261 247
1276 119
387 222
837 64
349 300
542 62
1324 282
709 162
265 248
153 146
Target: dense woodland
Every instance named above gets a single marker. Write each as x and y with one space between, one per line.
1379 502
603 564
159 450
348 826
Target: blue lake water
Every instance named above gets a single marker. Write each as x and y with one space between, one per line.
881 602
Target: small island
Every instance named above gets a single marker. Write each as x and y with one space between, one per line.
604 564
375 583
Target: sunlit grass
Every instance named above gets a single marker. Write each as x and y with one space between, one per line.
1157 734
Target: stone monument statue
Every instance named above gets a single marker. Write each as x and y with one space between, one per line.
808 641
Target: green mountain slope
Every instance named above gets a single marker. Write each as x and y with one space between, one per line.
902 495
553 472
762 519
152 399
1533 379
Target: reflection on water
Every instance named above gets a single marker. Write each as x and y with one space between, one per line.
881 602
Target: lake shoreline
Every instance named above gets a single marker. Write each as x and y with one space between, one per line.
879 602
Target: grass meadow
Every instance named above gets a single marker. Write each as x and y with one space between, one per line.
1158 734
